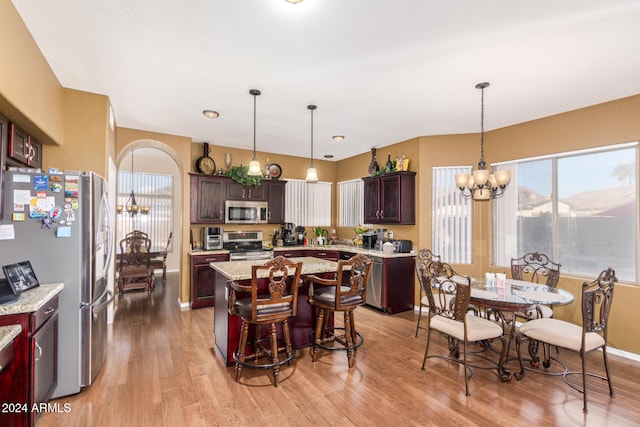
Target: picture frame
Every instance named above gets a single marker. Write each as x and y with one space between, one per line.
20 277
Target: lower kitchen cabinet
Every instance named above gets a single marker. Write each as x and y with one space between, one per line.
32 374
328 255
203 279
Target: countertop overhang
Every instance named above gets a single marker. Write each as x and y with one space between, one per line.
341 248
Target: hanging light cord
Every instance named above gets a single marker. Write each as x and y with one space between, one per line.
481 163
312 136
254 126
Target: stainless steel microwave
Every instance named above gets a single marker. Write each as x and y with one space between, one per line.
244 212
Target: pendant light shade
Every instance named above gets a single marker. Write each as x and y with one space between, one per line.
312 173
254 164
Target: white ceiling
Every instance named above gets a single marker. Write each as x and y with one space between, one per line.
380 71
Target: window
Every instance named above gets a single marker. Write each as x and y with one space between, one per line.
153 190
579 208
452 226
308 204
351 196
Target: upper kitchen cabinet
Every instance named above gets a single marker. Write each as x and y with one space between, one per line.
237 191
390 198
23 149
276 198
207 199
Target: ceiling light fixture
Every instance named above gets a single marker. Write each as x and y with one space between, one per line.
130 205
254 164
312 173
338 138
210 114
482 185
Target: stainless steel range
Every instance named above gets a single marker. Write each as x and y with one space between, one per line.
245 245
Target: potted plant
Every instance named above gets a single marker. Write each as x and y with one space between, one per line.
240 175
321 234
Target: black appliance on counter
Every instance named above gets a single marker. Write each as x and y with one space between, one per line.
245 245
300 234
369 240
402 246
288 234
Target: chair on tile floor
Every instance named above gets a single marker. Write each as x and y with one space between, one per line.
448 315
597 297
162 262
423 258
344 293
537 268
266 305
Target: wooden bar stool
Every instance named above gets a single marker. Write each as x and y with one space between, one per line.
268 304
344 293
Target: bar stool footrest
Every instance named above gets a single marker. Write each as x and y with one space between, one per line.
331 337
261 352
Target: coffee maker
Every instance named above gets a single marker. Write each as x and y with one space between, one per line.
288 236
301 233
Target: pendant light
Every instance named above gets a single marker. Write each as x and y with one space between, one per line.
254 164
482 185
312 173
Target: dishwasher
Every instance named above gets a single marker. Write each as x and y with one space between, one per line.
374 287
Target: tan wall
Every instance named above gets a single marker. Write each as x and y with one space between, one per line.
30 94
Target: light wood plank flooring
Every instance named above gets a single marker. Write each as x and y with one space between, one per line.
163 370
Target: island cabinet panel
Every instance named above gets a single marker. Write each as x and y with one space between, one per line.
291 253
390 199
203 279
237 191
276 198
207 199
32 374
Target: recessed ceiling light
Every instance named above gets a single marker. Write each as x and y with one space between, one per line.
211 114
293 1
338 138
328 156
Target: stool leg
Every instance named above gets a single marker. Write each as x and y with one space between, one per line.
287 339
318 335
274 352
348 335
242 348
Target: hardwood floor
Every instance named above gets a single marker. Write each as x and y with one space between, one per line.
162 370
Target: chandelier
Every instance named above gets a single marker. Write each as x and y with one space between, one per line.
482 185
131 206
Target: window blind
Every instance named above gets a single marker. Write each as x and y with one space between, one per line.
308 204
351 199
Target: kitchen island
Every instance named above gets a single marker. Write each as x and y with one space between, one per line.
227 327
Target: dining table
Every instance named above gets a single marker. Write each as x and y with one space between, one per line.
154 252
505 300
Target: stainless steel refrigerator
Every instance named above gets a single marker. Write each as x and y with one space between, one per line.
62 224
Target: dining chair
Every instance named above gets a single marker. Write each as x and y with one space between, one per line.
448 315
267 303
137 233
597 296
537 268
162 261
135 267
346 292
423 257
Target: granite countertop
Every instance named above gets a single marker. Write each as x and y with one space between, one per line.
343 248
32 300
241 270
8 333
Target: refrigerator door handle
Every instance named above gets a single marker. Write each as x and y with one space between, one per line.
95 303
110 237
98 307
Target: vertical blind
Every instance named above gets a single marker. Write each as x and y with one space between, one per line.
452 217
351 199
308 204
153 190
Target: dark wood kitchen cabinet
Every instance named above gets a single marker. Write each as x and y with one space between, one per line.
23 149
276 198
207 199
331 255
32 375
390 198
237 191
203 279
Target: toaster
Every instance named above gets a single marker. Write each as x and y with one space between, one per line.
403 246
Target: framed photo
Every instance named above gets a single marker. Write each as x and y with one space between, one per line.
20 277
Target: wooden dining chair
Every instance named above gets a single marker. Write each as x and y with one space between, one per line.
135 269
423 258
259 305
597 296
448 315
162 261
536 268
